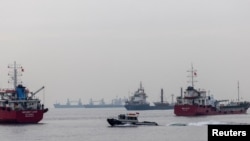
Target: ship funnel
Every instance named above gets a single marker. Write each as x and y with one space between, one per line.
161 95
181 92
20 90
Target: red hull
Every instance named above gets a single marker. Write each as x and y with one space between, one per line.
26 116
196 110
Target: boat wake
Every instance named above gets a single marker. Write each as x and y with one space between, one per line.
204 123
125 125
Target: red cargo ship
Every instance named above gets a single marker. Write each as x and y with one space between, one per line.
19 105
196 102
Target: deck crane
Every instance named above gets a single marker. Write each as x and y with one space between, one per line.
33 93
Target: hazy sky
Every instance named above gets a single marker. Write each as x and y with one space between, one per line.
105 48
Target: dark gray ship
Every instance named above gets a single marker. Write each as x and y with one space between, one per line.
138 102
70 104
116 103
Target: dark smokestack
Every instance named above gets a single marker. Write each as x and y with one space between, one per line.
161 95
181 92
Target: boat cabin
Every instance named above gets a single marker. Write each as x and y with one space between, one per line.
131 117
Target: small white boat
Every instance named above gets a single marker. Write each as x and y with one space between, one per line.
129 119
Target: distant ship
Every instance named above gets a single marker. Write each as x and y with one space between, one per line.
138 102
70 104
196 102
116 103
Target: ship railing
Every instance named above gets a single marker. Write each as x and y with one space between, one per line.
24 105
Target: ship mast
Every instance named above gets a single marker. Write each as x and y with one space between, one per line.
238 91
15 74
193 74
172 99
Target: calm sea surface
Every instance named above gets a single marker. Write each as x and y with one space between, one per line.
91 125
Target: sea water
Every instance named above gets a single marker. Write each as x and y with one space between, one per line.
91 125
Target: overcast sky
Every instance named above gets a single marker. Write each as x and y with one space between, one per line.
105 48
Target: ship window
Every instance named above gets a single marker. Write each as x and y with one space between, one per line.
131 118
121 116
